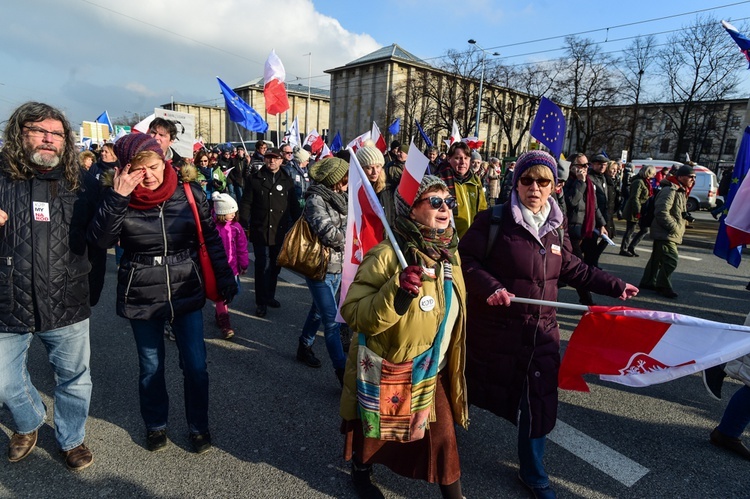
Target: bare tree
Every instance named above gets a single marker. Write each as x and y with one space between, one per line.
635 63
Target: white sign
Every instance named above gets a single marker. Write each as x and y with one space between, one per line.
183 143
624 156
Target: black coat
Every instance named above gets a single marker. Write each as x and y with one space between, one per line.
159 275
46 276
268 207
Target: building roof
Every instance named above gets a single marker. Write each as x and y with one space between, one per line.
291 88
390 52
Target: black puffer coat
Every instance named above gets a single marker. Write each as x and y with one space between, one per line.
159 275
45 264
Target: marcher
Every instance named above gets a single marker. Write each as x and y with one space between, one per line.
86 159
51 277
147 210
325 212
506 187
235 245
513 350
494 174
640 190
371 160
465 186
408 316
667 229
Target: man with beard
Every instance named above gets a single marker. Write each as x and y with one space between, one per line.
46 278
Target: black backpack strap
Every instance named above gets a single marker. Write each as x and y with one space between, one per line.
495 220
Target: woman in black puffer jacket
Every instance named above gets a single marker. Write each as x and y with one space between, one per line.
159 278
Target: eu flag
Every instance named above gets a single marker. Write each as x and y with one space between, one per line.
426 139
337 144
549 126
395 126
722 249
240 112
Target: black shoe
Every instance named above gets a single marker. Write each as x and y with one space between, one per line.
626 253
201 442
156 440
713 379
667 292
539 492
633 253
274 303
733 444
362 481
306 356
261 311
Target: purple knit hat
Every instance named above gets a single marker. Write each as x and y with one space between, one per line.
130 145
531 158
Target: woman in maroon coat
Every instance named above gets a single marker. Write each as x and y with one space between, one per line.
513 351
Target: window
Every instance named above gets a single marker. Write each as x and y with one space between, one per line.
664 148
646 145
504 150
518 124
649 124
730 146
707 145
736 120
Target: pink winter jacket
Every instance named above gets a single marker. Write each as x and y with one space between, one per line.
235 244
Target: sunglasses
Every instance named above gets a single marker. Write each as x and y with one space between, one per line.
436 202
541 182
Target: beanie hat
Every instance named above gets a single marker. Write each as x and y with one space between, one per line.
133 143
531 158
563 170
224 204
395 144
685 170
475 155
429 182
329 171
300 155
370 155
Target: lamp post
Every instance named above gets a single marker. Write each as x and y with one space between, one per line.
481 84
307 106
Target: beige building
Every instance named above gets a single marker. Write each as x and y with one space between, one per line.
210 121
312 116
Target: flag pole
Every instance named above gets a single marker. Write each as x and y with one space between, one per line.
241 139
547 303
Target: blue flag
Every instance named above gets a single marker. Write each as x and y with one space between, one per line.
549 126
337 144
395 126
104 119
741 167
741 40
426 139
240 112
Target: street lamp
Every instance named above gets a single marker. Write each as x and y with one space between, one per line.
481 83
307 106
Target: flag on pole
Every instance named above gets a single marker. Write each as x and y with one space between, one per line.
376 137
357 142
292 135
337 144
274 89
142 126
198 144
104 119
637 347
549 126
741 40
325 152
415 168
240 112
426 139
315 141
395 126
473 142
455 135
734 225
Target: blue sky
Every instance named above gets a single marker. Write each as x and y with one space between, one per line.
86 56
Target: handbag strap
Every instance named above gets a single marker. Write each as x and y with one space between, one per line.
194 207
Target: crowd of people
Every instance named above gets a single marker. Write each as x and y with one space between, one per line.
421 341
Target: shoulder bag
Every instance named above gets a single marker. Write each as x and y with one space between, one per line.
207 269
303 252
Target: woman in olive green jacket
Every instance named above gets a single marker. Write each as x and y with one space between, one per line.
399 316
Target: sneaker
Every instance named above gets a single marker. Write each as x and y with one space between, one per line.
713 379
156 440
78 458
168 332
201 442
306 356
226 329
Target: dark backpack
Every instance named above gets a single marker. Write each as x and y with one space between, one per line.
496 220
647 213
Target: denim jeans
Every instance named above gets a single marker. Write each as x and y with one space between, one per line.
530 450
323 309
266 272
68 352
737 414
152 387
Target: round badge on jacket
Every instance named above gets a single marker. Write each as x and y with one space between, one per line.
279 187
427 303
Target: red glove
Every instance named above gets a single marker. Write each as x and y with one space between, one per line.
410 279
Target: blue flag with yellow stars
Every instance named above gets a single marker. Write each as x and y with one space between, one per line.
549 126
722 249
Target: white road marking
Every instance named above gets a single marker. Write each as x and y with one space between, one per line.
604 458
691 258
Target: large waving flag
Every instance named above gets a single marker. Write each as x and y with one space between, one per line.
240 112
637 347
292 135
142 126
473 142
741 40
455 135
337 144
274 90
415 168
104 119
377 137
549 126
426 139
357 142
315 141
734 225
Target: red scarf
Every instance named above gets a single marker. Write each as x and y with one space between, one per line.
145 199
589 218
676 182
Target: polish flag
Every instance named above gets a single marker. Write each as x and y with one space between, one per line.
416 166
365 224
357 142
473 142
198 144
455 135
315 141
325 152
376 137
274 90
637 347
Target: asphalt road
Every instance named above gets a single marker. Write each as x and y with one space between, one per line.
276 427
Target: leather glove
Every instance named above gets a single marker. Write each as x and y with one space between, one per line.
410 279
228 293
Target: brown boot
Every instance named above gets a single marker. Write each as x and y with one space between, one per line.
78 458
21 446
226 329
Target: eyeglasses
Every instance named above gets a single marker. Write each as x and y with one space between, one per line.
541 182
204 160
583 165
436 202
36 132
287 152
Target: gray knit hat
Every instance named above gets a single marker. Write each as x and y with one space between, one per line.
300 155
475 155
370 155
429 182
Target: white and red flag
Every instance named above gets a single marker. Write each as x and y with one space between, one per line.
274 89
325 152
637 347
357 142
315 141
198 144
473 142
415 168
455 135
377 137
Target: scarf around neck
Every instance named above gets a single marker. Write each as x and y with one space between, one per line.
589 217
145 199
420 242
